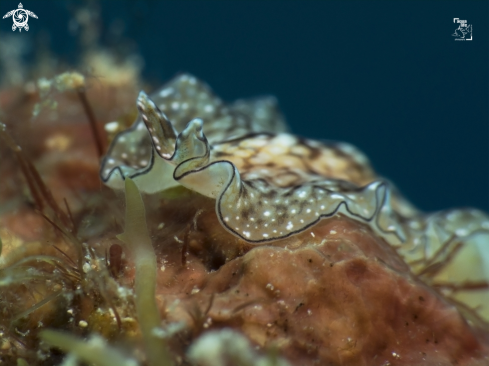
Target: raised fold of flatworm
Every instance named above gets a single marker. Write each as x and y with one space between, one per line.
181 100
267 184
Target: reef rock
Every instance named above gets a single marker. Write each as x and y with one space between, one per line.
365 280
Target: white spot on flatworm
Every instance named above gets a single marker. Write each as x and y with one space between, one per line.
111 126
166 92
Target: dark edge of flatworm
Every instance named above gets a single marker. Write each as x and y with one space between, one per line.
245 136
218 200
106 177
117 168
304 228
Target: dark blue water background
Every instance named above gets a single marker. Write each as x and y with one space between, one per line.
386 76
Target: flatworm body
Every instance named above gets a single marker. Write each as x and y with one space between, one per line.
268 184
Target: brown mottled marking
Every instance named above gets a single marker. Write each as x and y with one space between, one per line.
115 260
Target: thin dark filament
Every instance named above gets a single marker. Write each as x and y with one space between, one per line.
68 236
466 286
74 228
435 268
91 119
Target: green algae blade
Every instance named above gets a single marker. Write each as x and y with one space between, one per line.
137 240
95 350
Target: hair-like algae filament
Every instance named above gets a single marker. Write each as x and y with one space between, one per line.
138 243
73 81
69 277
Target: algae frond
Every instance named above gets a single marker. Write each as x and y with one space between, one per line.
137 240
95 350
